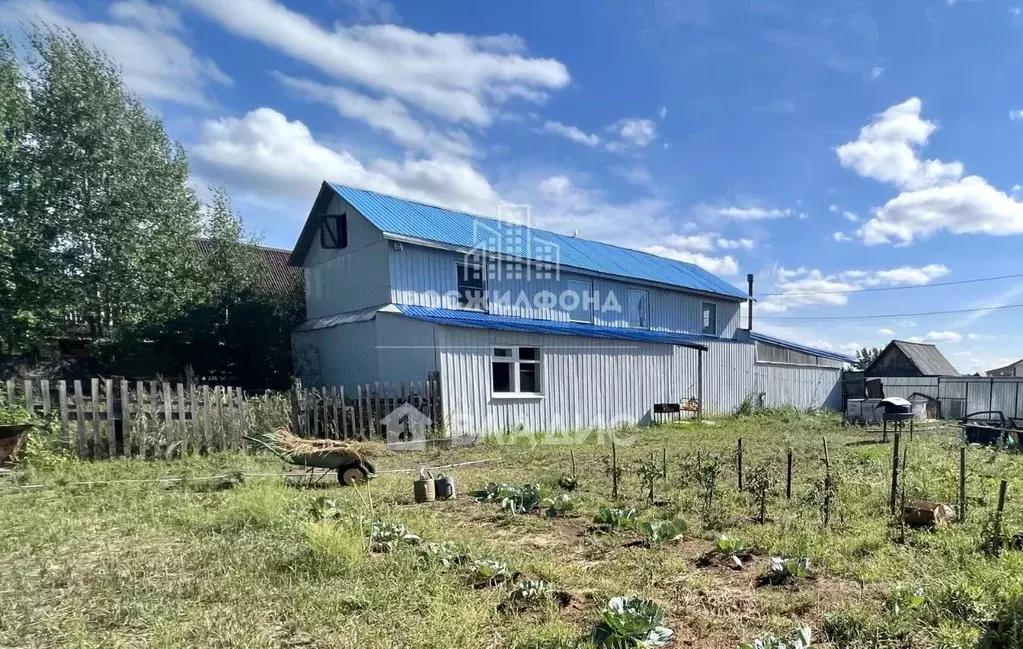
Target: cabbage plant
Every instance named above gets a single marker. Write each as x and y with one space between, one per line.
385 536
783 571
657 532
616 518
631 622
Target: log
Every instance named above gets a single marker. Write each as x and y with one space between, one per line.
926 513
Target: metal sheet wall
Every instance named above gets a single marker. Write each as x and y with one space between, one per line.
802 387
587 383
961 395
424 276
341 355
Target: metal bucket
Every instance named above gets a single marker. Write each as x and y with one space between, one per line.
444 487
423 489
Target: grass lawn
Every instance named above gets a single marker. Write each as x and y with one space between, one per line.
205 564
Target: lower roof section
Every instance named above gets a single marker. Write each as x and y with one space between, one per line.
771 340
481 320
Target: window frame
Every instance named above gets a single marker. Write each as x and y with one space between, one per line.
515 361
338 235
713 318
463 303
588 291
628 307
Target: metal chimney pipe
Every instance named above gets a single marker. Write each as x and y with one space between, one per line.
749 303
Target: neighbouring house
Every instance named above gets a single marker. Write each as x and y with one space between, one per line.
275 275
1013 369
525 328
905 359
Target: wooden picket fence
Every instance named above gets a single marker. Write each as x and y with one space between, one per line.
340 413
108 418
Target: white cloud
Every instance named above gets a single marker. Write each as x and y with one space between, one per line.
840 237
937 337
1016 115
735 244
663 112
981 337
876 72
455 76
718 265
756 213
571 132
266 153
373 11
804 287
886 150
633 132
144 39
833 208
386 115
935 195
885 332
850 216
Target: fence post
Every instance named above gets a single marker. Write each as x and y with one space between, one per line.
125 418
94 402
80 416
187 445
10 391
108 389
65 439
44 392
895 473
788 477
739 463
296 387
962 484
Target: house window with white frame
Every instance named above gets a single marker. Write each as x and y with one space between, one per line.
472 286
580 293
709 319
516 370
639 308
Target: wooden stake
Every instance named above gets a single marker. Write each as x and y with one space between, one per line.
614 469
739 463
664 463
998 516
788 477
571 454
892 501
962 484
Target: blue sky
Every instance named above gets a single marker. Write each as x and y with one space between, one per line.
824 147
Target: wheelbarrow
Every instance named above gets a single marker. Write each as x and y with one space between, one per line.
10 439
351 468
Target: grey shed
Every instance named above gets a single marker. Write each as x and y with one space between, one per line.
902 358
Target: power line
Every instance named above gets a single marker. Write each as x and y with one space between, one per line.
898 288
891 315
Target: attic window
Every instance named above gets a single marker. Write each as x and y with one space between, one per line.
334 232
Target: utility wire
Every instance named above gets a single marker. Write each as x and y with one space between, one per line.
891 315
899 288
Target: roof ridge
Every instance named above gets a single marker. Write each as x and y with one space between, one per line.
531 227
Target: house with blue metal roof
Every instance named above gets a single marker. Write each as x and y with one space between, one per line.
527 328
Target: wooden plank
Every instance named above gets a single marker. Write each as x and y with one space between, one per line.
243 409
108 395
378 408
10 391
169 427
155 427
80 417
219 395
344 412
125 418
358 418
369 412
62 404
137 432
187 445
315 395
235 403
29 402
207 435
193 406
44 392
94 401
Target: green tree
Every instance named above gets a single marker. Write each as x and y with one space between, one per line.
113 207
865 356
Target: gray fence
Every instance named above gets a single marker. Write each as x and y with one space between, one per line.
961 395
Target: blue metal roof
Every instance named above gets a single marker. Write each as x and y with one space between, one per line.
771 340
429 223
480 320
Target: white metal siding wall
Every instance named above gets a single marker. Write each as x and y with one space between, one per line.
587 383
424 276
799 386
406 349
727 376
339 281
342 355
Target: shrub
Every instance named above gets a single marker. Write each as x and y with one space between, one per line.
632 622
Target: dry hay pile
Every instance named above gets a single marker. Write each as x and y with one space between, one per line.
288 444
